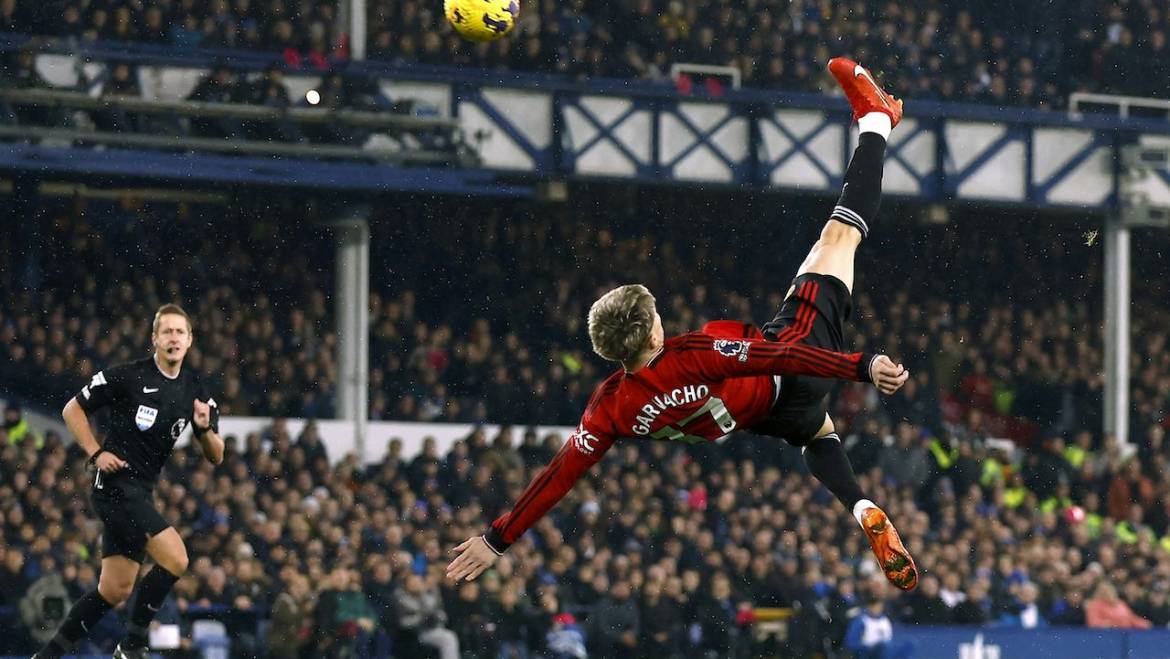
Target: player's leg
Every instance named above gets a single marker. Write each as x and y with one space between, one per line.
827 461
170 562
876 113
114 587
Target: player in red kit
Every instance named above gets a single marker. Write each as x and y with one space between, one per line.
732 376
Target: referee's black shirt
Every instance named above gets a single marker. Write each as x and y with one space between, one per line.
148 412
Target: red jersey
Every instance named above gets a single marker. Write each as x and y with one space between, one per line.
698 387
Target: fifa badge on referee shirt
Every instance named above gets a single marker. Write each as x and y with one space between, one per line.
145 417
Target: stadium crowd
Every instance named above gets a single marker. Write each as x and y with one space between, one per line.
987 51
456 335
264 321
663 550
1065 529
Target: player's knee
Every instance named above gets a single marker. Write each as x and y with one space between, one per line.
116 591
178 566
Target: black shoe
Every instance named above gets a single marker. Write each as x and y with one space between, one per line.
130 653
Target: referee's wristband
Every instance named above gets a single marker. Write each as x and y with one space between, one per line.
93 458
200 432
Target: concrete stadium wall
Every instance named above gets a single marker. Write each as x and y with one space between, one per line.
338 436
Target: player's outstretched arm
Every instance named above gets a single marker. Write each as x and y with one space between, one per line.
583 450
717 358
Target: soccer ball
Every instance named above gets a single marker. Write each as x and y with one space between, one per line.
482 20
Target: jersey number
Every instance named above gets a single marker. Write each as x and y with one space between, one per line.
718 411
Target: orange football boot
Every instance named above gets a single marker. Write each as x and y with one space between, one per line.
892 557
862 90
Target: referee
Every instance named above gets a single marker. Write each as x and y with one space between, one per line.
153 400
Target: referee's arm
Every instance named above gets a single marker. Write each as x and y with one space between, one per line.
205 432
78 423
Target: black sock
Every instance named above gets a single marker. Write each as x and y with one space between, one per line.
827 461
152 592
861 196
86 613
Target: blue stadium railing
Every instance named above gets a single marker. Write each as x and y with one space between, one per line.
533 127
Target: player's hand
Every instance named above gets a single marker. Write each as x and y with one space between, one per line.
887 376
475 556
202 415
107 462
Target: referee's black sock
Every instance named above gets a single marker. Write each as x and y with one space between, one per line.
827 461
86 613
152 592
861 196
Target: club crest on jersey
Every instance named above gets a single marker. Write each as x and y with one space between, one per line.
177 428
145 417
737 349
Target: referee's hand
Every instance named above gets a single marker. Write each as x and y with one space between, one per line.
108 463
887 376
202 414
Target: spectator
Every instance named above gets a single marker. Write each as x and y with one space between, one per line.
1156 606
510 623
473 608
1025 612
1070 611
121 81
1128 487
220 86
290 614
1105 609
975 609
715 614
661 622
871 633
924 606
43 606
269 91
615 623
17 428
905 462
420 614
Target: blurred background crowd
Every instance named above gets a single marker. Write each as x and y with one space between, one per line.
489 327
664 550
1002 52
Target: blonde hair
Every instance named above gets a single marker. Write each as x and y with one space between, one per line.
169 309
620 322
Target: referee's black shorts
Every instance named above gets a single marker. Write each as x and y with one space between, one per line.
126 508
815 315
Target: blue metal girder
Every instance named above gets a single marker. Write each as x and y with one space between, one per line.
1040 190
1010 135
542 158
800 145
201 168
740 171
605 131
894 152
